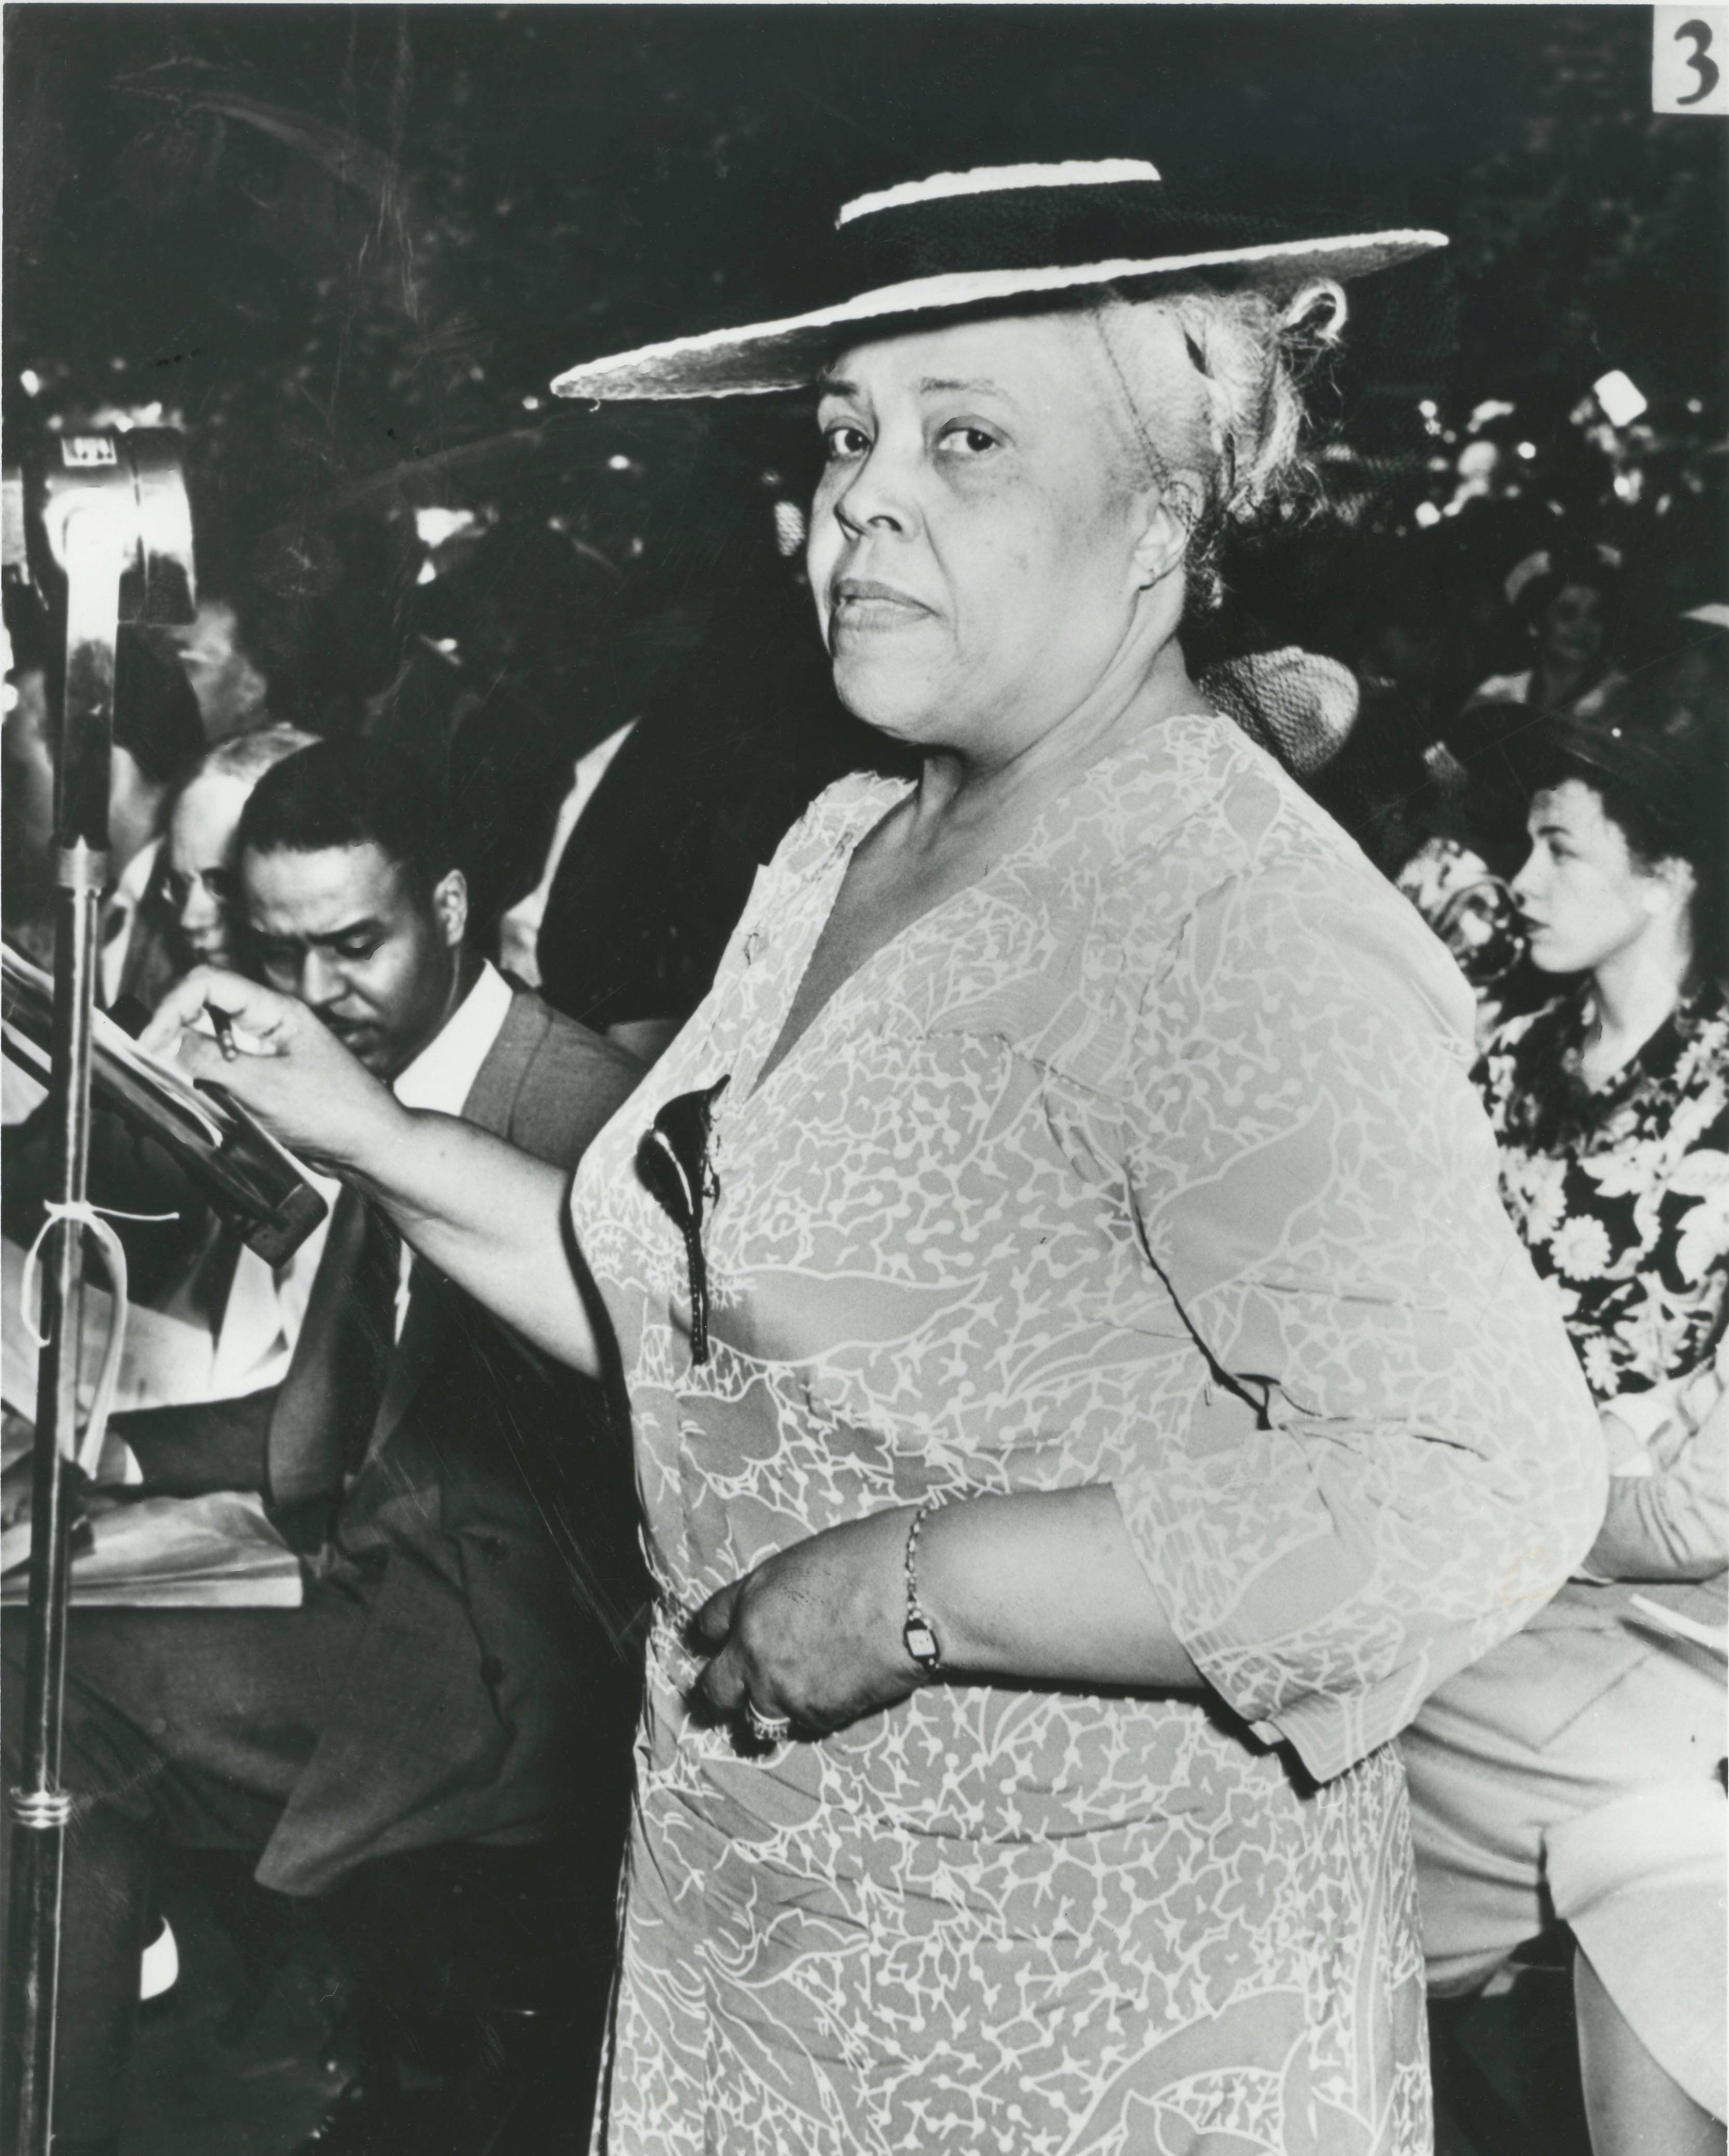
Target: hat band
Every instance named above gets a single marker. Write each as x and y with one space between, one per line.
1034 229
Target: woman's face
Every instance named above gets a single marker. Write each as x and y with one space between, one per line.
973 543
1572 628
1584 898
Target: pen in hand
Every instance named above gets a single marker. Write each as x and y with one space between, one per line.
224 1025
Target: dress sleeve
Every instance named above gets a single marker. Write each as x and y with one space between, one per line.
1396 1461
1674 1523
1673 1526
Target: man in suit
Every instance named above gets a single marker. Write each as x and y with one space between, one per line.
461 1671
652 864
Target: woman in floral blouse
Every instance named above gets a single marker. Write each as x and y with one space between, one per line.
1575 1771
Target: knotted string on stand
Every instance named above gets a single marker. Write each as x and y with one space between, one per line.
79 1213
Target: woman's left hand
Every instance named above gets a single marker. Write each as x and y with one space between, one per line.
813 1635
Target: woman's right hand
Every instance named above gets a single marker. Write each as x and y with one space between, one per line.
287 1069
490 1217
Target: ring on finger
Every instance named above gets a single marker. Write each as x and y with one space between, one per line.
768 1728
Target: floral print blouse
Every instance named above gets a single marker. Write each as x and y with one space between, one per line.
1621 1195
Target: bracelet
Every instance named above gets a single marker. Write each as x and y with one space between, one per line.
919 1635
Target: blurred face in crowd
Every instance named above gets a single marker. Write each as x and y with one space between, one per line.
135 802
26 798
1699 678
230 691
200 879
1399 654
1572 628
1585 900
975 537
352 933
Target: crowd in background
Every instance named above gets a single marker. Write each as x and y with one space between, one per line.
1405 700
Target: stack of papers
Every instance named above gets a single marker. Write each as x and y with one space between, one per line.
1715 1638
217 1552
239 1167
29 993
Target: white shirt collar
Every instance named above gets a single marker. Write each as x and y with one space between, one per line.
134 877
519 931
120 916
444 1073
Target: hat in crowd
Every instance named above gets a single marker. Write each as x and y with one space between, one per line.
1533 581
1300 705
1676 762
1495 727
995 235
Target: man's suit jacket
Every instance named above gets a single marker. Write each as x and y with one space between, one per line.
658 869
487 1539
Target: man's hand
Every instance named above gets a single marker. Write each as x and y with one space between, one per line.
814 1634
289 1071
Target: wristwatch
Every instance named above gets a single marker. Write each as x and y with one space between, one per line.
919 1635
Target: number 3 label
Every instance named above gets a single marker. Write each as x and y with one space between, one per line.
1689 60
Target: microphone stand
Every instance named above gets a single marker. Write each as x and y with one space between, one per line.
114 513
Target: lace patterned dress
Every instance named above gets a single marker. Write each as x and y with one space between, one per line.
1150 1158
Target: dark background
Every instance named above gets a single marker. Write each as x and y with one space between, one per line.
347 248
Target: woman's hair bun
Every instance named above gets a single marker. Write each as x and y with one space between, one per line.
1234 457
1315 313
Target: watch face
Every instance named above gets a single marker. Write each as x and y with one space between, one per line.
921 1642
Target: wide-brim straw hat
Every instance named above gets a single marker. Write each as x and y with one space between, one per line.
995 236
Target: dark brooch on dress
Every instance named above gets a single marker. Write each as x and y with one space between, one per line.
673 1161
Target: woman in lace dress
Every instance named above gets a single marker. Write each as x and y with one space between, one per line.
1047 1276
